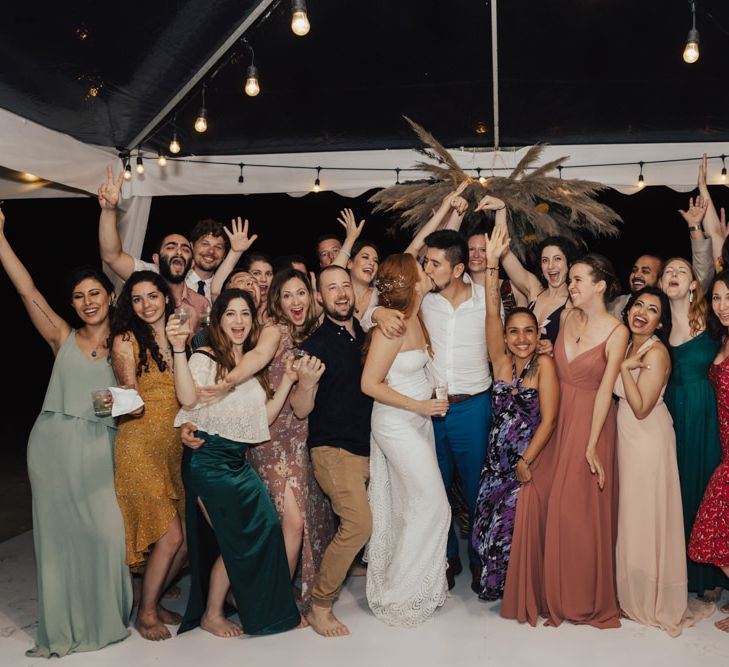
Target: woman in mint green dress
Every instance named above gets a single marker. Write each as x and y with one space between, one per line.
691 401
84 588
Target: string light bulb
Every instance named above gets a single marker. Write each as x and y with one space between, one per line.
140 162
127 169
201 122
723 167
317 181
481 179
691 50
299 20
162 160
252 86
397 176
641 180
240 178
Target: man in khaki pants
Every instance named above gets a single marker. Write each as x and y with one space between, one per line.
329 393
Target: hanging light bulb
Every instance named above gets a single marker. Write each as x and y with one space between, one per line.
127 169
641 180
175 144
140 162
201 122
481 179
299 20
252 86
723 167
240 178
691 50
317 182
162 160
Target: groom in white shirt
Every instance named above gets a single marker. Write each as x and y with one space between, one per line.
454 313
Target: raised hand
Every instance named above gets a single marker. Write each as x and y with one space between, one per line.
175 338
490 203
702 171
697 208
722 223
351 228
453 197
110 192
238 237
496 245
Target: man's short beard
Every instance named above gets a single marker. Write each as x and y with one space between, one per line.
166 271
340 318
437 288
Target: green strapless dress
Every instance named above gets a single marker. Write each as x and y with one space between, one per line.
692 403
245 530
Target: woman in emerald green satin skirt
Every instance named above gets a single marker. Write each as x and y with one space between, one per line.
234 537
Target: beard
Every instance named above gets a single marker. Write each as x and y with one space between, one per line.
339 317
439 288
165 270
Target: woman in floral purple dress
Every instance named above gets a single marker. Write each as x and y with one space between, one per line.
525 400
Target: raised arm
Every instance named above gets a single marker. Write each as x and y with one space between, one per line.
239 243
495 247
184 381
548 409
50 326
380 358
110 245
712 224
525 281
352 230
309 369
452 201
643 395
615 351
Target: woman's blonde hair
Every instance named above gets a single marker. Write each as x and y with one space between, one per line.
697 305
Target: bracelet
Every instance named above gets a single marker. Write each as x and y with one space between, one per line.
492 268
525 459
345 252
696 228
500 209
174 351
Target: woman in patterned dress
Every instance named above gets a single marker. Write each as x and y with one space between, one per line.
525 401
710 535
148 450
283 463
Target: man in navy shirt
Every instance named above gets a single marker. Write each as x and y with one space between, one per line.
339 436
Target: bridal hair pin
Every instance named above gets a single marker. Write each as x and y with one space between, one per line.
384 286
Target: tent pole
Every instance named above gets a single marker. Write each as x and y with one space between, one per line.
255 12
495 72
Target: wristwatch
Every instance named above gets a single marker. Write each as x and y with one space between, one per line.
695 228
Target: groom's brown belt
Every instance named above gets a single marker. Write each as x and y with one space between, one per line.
459 398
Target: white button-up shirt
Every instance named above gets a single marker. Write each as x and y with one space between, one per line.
458 337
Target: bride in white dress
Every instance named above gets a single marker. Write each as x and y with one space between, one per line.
406 579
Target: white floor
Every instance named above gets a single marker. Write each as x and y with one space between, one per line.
465 632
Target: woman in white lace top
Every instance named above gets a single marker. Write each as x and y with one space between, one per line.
245 549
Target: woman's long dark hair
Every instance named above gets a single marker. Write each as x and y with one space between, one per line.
715 328
666 321
219 342
125 321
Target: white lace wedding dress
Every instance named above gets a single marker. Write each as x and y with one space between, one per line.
406 579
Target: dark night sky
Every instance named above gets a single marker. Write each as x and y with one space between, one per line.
51 236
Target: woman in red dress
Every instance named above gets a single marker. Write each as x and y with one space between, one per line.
709 541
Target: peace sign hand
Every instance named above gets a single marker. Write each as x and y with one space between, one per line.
110 192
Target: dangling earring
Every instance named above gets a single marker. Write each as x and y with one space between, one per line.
691 296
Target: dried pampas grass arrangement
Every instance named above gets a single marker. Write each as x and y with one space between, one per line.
539 205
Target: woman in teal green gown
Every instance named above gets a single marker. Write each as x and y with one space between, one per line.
691 401
84 588
233 532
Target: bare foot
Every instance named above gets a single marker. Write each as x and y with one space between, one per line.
325 622
723 624
151 627
167 616
220 626
304 622
357 571
172 593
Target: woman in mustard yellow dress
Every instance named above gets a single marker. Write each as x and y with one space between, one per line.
148 450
